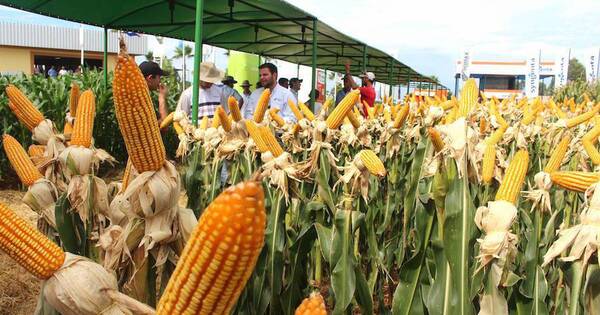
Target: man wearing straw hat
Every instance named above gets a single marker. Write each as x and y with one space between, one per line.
228 90
246 91
210 94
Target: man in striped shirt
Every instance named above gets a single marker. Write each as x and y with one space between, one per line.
210 94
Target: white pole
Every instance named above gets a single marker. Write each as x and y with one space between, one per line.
81 43
184 68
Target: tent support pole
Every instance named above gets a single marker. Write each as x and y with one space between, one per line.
364 59
325 87
390 78
408 83
314 63
105 58
197 60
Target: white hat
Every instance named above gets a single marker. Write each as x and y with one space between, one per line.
368 75
210 73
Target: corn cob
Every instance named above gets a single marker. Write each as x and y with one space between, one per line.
575 181
558 155
178 128
572 106
36 150
261 105
20 161
436 139
556 110
589 144
336 117
223 119
22 107
167 121
401 116
256 136
270 141
27 246
313 305
295 110
495 137
514 178
468 98
387 116
67 128
73 99
220 255
275 117
370 110
483 124
126 175
234 108
489 163
377 110
84 121
203 123
353 120
394 111
583 117
306 111
136 116
216 122
372 162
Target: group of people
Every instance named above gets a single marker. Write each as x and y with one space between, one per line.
52 72
215 89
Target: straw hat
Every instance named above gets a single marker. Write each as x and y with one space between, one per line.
210 73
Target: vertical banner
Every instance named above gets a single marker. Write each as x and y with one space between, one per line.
466 63
321 85
591 65
532 79
562 69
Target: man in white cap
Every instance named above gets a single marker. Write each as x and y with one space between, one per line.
367 91
210 94
279 95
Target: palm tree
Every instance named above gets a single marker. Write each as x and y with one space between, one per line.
183 52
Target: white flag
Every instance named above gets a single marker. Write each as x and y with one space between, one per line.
562 70
466 62
591 65
532 79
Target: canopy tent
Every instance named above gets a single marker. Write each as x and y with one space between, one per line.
270 28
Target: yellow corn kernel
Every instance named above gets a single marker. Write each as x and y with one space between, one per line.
575 181
558 155
22 107
295 110
234 108
256 136
372 162
73 99
336 117
436 139
313 305
167 121
401 116
589 144
514 178
275 117
270 141
469 96
306 111
223 119
27 246
583 117
353 119
203 123
136 116
261 105
20 161
36 150
220 255
497 135
84 121
489 163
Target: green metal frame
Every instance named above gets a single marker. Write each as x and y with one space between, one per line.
197 60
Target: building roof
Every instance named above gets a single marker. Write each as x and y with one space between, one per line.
58 37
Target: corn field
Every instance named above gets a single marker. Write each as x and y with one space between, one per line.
428 206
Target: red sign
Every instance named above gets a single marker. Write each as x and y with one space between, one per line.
321 85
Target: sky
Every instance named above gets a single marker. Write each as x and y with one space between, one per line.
430 36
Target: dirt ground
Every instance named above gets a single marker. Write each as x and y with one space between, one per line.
18 289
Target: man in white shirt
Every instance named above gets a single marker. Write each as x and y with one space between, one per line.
279 95
295 85
210 94
246 91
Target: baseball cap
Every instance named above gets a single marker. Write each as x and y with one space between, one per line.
292 80
368 75
151 68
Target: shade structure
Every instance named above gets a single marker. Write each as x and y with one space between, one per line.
270 28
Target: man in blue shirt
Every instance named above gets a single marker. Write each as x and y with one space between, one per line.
340 95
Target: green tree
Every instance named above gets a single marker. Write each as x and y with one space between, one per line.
576 70
149 55
183 53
